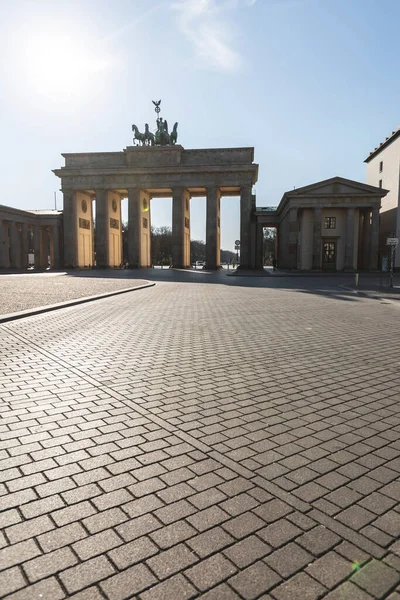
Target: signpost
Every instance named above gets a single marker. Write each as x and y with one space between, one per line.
237 248
393 243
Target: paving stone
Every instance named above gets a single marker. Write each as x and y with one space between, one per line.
289 559
133 552
389 523
349 591
221 592
205 519
243 525
18 553
318 540
48 589
62 536
176 587
247 551
255 580
132 581
96 544
28 529
210 571
356 517
87 573
171 561
210 541
49 564
279 533
330 569
299 586
173 534
376 578
11 580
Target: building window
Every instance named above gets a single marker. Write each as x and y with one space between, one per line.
381 166
330 222
380 183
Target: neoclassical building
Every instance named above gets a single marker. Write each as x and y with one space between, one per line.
330 225
38 230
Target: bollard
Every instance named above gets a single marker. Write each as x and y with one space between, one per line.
356 279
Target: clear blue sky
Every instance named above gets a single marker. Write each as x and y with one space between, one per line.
312 84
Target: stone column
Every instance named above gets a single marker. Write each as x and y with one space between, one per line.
24 246
259 257
139 250
55 261
70 224
15 245
316 258
102 229
178 227
213 228
349 242
186 214
4 245
374 240
293 238
44 248
246 204
366 226
36 245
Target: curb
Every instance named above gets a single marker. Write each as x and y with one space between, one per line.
43 309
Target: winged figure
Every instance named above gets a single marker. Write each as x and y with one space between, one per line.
157 104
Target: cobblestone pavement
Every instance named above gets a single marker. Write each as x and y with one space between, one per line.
24 291
193 440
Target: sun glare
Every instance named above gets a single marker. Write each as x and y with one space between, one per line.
59 67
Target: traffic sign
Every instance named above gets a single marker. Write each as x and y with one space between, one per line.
237 242
392 241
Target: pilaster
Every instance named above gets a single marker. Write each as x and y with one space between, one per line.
36 245
4 245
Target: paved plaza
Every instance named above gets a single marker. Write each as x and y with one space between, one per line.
215 437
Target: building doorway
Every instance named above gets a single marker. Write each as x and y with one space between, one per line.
329 255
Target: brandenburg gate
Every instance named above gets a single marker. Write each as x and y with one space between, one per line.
158 167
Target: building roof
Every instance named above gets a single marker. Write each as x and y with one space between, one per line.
395 134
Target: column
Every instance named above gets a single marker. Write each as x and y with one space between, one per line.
44 248
293 238
139 239
245 226
213 228
15 245
374 240
366 225
24 246
102 227
349 242
178 227
70 226
186 215
259 257
316 258
55 261
4 245
36 245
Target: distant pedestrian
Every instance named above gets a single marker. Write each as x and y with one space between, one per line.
274 264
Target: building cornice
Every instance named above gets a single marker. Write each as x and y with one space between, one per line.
387 142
